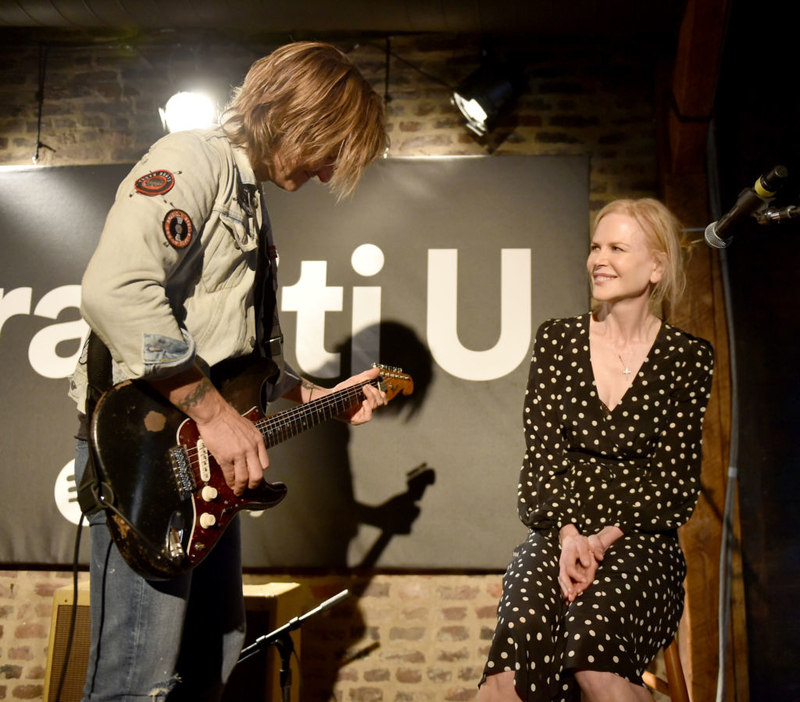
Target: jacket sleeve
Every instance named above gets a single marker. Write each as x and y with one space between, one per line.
152 230
665 497
546 496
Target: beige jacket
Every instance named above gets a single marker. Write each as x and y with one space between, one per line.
171 280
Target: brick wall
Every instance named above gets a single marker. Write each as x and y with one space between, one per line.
400 637
100 104
26 605
407 637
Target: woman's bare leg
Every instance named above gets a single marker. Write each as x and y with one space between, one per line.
498 687
608 687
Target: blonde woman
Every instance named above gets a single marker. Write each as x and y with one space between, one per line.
613 422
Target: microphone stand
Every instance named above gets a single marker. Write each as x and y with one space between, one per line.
281 638
777 216
750 202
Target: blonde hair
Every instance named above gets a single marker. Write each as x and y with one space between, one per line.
663 232
308 100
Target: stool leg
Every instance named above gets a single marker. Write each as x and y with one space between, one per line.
677 683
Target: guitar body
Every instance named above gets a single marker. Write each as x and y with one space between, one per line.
168 509
166 499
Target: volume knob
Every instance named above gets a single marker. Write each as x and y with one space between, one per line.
207 520
209 493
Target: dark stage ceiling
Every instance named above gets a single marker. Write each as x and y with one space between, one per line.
545 18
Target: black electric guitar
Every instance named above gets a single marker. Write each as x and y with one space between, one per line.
166 499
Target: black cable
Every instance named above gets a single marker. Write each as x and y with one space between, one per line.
40 100
408 63
73 616
110 506
727 537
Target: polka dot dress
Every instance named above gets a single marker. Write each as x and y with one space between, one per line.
636 467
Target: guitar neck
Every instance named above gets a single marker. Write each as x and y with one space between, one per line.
279 427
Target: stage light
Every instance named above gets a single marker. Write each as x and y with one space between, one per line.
484 95
188 111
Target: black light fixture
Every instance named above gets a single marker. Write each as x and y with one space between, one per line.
486 94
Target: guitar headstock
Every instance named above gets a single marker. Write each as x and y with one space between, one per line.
393 381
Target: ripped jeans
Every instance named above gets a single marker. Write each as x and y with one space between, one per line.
153 639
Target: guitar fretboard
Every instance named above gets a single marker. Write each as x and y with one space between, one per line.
292 422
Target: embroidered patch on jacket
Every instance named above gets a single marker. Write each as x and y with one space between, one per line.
155 183
178 228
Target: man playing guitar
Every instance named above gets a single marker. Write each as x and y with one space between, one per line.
183 280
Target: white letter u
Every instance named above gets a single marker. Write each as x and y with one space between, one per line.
515 316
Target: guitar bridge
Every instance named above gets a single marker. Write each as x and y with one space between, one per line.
182 471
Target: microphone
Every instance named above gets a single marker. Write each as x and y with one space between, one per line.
719 234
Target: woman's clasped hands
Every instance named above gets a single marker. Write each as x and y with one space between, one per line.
580 557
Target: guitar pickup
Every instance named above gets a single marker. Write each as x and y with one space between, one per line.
202 460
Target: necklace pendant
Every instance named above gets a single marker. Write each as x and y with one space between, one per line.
625 370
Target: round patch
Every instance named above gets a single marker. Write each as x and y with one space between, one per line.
155 183
178 228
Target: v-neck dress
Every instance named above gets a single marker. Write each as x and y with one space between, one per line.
636 467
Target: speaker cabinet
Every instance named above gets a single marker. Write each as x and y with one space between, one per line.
256 679
72 690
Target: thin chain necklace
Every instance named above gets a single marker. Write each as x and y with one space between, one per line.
626 367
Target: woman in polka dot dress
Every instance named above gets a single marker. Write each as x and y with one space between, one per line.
613 421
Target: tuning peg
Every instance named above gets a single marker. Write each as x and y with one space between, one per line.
387 369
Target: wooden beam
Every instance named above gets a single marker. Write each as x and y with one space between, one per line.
698 57
688 142
694 83
701 537
684 116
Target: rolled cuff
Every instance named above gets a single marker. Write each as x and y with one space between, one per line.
163 356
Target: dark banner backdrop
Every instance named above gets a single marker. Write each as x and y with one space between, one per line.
443 266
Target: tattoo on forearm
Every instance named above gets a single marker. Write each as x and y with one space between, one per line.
193 398
308 386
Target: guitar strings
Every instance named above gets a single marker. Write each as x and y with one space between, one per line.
328 402
293 414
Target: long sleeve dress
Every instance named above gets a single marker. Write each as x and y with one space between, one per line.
636 467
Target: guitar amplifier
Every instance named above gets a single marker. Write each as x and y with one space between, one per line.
256 679
72 690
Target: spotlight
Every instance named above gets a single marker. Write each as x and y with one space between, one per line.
187 111
485 94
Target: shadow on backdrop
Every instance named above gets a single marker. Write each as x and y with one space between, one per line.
324 517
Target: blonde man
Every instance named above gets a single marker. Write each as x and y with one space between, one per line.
181 281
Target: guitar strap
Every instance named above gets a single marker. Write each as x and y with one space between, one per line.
98 369
268 327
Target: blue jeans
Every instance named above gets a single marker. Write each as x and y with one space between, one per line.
152 639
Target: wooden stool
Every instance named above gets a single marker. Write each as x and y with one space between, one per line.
675 685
